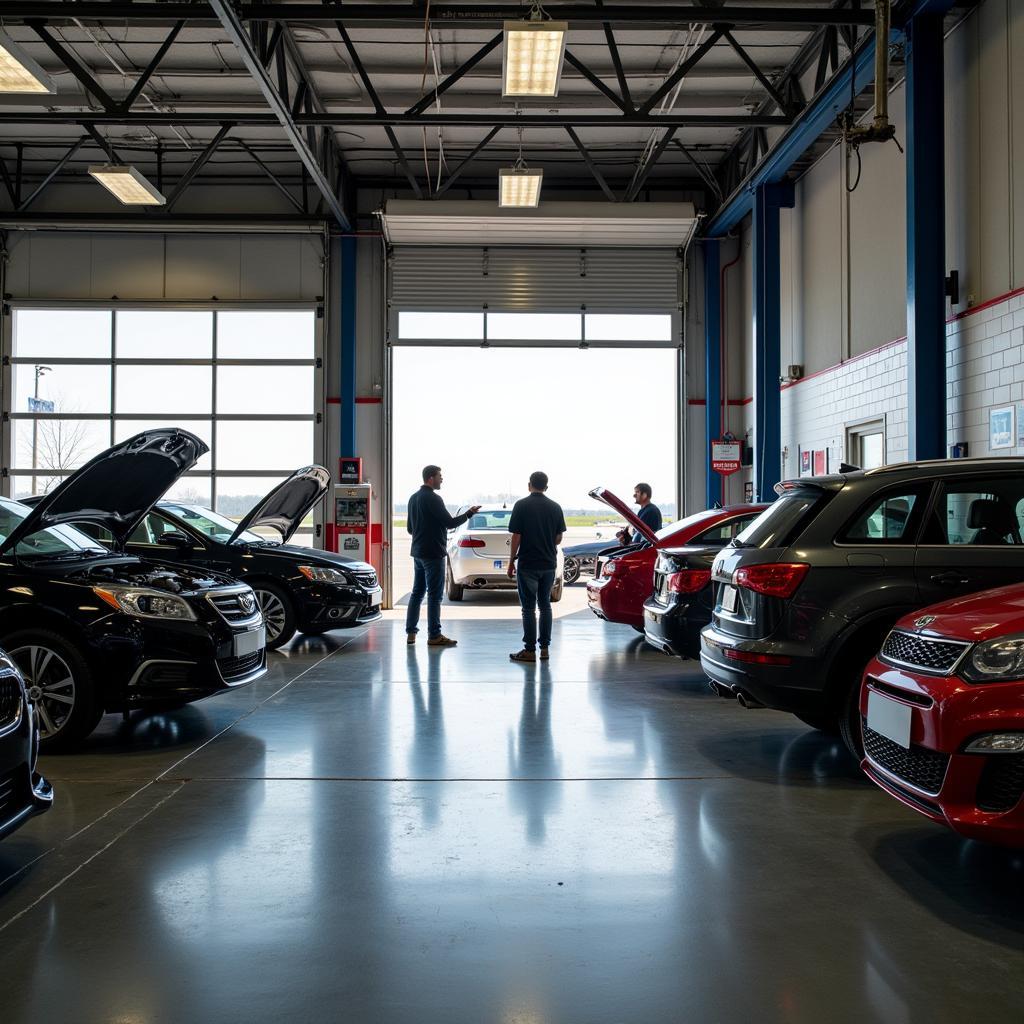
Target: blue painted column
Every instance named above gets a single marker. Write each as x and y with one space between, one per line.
767 338
926 239
347 391
712 364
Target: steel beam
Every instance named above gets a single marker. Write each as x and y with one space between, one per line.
84 76
573 61
712 365
648 166
768 200
431 97
236 32
147 74
591 166
196 166
926 242
766 83
683 70
822 112
483 119
671 15
453 177
275 180
51 175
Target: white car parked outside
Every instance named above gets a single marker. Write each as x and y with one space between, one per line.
478 553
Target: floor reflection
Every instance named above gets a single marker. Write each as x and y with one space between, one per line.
531 755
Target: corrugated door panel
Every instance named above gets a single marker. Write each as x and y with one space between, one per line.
538 280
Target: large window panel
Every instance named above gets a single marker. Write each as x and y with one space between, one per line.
62 333
58 444
534 326
257 444
265 334
164 335
628 327
71 387
441 326
256 390
164 389
203 429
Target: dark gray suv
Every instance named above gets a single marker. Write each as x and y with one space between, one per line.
806 594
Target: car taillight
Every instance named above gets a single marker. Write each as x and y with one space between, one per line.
777 579
753 658
610 568
689 581
472 542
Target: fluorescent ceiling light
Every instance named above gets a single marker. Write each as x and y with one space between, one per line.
18 71
532 57
125 183
519 186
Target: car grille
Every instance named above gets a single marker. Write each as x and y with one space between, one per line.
921 652
365 579
233 669
10 702
925 769
1002 782
232 604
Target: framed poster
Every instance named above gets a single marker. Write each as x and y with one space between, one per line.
805 462
1001 428
820 462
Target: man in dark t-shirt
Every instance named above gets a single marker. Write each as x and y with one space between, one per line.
536 525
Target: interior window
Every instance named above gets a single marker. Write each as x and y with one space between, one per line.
143 533
887 519
722 533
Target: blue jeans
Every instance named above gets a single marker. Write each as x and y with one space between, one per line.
535 590
428 578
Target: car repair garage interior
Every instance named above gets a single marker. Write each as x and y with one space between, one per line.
269 267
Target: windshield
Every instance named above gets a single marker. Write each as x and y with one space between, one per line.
777 525
671 529
54 541
210 524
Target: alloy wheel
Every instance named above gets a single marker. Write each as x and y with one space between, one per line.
570 571
50 685
273 613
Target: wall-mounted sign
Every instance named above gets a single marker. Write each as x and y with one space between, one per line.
350 470
39 404
805 462
725 457
821 462
1000 428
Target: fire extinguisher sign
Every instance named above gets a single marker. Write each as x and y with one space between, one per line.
725 457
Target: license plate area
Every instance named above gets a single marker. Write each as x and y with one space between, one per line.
729 599
499 564
889 718
249 642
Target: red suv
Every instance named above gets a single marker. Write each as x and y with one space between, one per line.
943 714
624 577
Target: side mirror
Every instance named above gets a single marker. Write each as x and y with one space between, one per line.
174 539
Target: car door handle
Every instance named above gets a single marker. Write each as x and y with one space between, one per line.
950 579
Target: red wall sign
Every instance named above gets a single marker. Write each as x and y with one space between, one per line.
725 457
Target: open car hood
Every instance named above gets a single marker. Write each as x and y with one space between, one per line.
286 505
117 488
613 501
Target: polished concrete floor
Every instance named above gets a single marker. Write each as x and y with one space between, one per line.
381 834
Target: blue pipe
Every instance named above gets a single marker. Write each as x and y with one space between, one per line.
347 391
712 364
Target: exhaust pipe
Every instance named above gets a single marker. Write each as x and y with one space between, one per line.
721 690
746 701
480 582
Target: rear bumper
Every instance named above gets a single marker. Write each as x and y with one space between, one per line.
674 628
794 686
981 795
607 602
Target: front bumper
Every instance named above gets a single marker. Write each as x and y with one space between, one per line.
980 796
140 662
785 679
334 606
24 793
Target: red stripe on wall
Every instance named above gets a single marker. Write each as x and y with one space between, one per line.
362 400
732 401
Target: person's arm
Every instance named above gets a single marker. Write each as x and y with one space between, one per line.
444 516
513 554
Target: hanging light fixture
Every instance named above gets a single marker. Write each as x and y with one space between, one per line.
19 73
127 184
518 185
532 55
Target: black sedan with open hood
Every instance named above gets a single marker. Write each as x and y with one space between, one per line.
94 629
298 588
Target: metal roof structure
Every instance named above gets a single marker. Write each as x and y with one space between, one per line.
313 101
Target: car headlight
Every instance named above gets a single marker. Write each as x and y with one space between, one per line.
146 604
321 574
996 661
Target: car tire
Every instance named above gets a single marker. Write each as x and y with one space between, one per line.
454 590
49 655
822 722
556 592
570 571
278 613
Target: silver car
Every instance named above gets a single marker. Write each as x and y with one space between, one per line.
478 553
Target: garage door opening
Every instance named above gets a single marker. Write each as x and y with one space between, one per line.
531 395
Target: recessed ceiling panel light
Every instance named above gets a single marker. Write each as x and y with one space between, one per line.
532 57
519 186
126 184
19 72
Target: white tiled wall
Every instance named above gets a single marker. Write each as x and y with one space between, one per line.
984 370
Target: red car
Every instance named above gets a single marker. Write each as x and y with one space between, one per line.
624 577
943 714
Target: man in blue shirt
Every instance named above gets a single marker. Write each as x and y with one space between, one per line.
648 513
429 522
